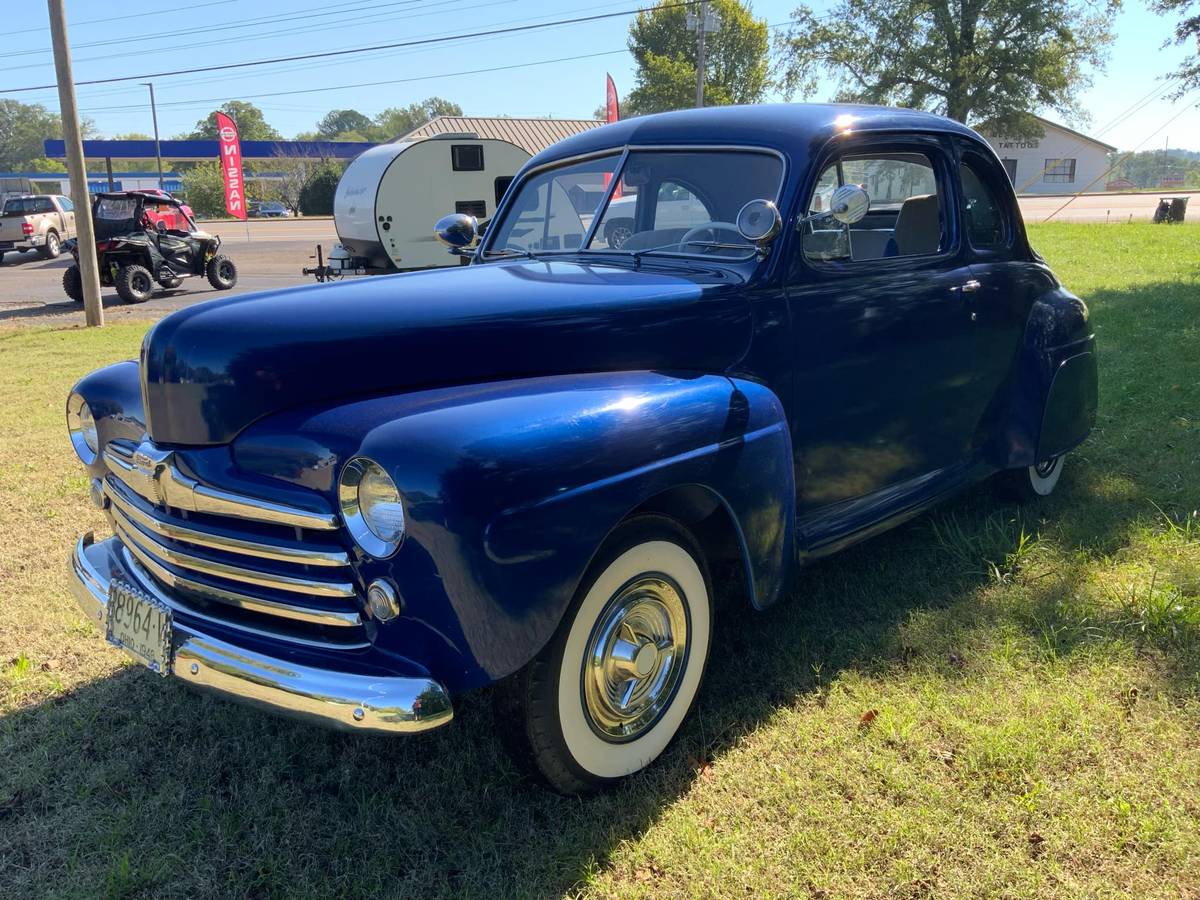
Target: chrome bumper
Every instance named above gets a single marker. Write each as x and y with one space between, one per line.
350 702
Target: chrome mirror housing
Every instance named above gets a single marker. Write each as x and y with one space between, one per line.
456 231
759 221
849 204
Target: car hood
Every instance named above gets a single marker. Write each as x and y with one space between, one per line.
210 370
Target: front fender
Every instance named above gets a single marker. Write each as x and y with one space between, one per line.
512 487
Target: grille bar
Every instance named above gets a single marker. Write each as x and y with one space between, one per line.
296 612
186 535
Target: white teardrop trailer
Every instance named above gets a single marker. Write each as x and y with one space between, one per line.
390 196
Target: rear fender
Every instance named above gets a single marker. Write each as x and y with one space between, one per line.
511 489
1055 394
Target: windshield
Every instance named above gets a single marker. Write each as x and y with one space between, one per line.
669 201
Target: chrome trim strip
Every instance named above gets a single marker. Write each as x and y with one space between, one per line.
151 473
115 491
234 573
233 598
351 702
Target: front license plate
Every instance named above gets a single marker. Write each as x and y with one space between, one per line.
139 625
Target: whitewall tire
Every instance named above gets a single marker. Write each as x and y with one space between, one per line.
611 689
1031 482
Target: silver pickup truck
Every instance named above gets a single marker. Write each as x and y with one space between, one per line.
40 223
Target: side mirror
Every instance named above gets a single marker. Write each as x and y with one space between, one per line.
759 221
849 204
456 231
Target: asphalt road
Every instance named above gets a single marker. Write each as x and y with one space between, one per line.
270 254
271 257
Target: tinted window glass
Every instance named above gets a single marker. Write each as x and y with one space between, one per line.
905 217
466 157
985 220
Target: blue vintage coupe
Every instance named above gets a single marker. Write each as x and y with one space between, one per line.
763 334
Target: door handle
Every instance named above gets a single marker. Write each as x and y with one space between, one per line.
968 287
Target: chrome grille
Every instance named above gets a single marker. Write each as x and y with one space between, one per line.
259 566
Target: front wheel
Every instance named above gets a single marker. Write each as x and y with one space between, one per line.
73 283
1030 483
134 284
221 272
611 689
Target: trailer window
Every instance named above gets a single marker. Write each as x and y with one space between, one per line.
476 208
502 184
466 157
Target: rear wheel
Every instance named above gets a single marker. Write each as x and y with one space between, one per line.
611 689
1032 482
53 245
221 272
73 283
134 284
618 232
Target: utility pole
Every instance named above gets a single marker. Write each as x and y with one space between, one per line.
88 269
157 148
702 22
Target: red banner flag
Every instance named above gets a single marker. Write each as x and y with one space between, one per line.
612 107
231 166
612 113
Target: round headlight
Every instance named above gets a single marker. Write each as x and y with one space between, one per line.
371 507
81 425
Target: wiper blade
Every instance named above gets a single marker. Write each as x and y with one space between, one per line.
716 245
509 251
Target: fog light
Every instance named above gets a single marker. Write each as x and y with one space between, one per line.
383 600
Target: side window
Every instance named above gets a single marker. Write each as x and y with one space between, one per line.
466 157
66 204
677 207
985 220
45 205
906 217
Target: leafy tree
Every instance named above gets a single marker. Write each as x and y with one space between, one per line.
204 189
735 70
1147 167
976 61
340 121
23 128
398 120
316 197
252 125
1186 31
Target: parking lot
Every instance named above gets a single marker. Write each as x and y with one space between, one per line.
269 254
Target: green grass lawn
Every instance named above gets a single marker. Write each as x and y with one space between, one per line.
988 701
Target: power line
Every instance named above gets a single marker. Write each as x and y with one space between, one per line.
326 11
365 84
107 19
331 53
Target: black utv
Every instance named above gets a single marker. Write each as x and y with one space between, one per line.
145 238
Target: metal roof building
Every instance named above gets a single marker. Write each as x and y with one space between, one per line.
534 135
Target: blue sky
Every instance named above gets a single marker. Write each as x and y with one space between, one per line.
569 84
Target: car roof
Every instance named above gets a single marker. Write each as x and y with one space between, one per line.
144 195
792 128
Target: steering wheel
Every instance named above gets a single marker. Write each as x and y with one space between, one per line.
714 227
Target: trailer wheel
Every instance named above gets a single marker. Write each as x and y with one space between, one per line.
134 284
73 283
221 272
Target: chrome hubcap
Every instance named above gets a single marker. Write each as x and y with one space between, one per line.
635 658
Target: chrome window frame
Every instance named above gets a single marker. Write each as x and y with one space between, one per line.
624 151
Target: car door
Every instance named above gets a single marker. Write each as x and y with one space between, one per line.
1003 294
68 217
882 336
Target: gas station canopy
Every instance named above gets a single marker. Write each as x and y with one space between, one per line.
202 150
